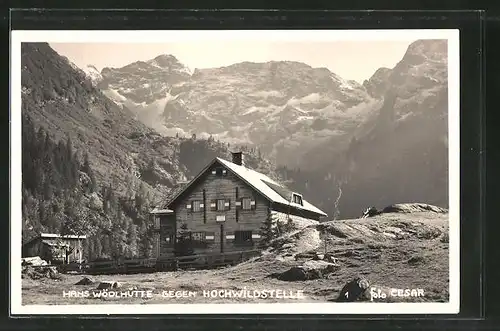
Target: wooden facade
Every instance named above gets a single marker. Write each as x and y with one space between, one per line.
219 211
55 248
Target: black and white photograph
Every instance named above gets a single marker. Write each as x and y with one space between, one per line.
271 171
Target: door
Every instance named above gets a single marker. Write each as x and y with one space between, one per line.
167 235
156 245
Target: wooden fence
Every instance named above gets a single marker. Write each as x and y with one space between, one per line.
128 266
203 261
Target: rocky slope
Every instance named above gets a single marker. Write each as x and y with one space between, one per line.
401 250
277 106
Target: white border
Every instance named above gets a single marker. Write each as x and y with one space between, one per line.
451 307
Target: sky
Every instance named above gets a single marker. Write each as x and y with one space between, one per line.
356 60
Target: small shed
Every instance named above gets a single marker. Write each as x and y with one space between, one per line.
55 248
164 222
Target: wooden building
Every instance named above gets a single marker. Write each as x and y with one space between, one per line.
55 248
223 208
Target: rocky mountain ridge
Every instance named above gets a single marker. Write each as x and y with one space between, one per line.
283 102
339 137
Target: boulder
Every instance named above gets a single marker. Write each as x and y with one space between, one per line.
308 271
85 281
108 285
416 260
294 274
370 212
53 273
39 272
353 290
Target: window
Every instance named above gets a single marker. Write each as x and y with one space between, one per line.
219 171
196 206
223 204
243 238
220 204
245 203
297 198
198 236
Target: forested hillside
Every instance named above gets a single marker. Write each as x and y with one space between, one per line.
61 195
90 168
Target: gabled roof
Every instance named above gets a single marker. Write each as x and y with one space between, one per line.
270 189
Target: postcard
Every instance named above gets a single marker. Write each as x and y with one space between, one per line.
209 172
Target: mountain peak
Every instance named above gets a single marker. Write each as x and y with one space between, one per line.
92 73
426 49
164 61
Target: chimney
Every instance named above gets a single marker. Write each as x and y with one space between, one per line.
238 158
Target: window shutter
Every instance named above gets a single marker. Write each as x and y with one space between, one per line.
213 205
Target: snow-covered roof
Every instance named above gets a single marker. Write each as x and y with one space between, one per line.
161 211
258 181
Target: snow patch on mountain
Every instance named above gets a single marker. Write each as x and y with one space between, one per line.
115 96
94 74
343 84
310 98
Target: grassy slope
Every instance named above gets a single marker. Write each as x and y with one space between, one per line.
419 259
